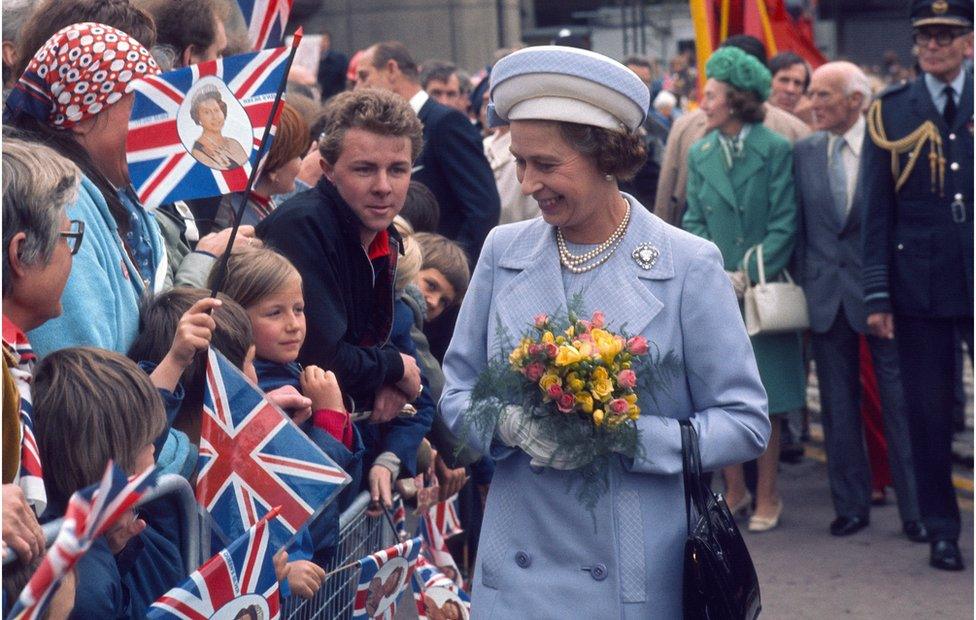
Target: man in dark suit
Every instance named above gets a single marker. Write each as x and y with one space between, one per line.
453 164
917 172
332 68
828 252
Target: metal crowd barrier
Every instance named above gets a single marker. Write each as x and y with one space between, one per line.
359 536
169 484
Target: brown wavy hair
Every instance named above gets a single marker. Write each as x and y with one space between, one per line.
376 111
618 154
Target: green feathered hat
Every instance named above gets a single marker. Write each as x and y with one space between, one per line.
733 66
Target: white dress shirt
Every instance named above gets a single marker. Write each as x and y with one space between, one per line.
851 153
418 100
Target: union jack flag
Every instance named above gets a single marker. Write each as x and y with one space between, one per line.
253 458
266 21
434 592
383 577
91 511
161 143
440 523
241 578
21 358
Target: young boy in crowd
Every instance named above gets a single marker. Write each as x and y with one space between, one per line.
444 275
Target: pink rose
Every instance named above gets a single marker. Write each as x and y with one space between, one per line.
535 349
555 392
541 320
534 371
566 403
552 350
599 320
586 324
637 346
627 379
619 406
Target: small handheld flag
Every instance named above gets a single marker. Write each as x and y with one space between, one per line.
440 523
383 577
266 21
253 457
200 131
436 595
239 580
91 511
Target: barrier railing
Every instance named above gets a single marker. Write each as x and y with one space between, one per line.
359 536
170 484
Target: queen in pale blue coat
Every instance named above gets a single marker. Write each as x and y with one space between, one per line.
574 117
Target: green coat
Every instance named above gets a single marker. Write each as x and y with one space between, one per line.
736 209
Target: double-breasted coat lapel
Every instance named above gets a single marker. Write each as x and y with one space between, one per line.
539 285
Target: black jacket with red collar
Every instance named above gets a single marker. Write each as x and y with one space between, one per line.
348 291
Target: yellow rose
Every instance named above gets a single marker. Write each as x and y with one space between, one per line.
585 401
602 389
567 355
634 412
549 379
630 398
515 357
570 331
574 383
598 417
548 338
608 346
600 373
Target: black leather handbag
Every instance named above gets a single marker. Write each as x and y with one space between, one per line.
719 578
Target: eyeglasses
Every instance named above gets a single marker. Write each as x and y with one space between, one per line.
941 37
74 235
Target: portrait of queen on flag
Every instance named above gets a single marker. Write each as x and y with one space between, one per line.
197 132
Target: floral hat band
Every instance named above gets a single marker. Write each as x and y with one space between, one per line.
80 70
743 71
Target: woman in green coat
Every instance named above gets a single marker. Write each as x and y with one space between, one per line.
740 194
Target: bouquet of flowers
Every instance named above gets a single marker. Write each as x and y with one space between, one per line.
567 395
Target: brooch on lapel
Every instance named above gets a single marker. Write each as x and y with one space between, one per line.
645 255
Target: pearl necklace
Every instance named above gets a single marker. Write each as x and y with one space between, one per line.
595 257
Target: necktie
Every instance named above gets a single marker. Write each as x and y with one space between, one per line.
838 177
949 111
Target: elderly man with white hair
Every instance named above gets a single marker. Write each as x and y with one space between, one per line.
829 255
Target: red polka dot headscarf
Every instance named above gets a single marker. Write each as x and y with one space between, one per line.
80 71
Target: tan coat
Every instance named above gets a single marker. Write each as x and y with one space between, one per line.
669 204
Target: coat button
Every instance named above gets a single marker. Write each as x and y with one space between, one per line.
598 572
954 166
957 197
523 559
901 246
952 136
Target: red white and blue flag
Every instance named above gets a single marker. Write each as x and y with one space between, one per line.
91 511
238 582
383 577
266 21
440 523
162 145
437 595
253 458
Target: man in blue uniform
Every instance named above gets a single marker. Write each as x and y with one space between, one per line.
917 176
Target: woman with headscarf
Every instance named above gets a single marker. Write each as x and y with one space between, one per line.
740 194
574 118
74 97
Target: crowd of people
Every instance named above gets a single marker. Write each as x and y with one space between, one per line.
399 206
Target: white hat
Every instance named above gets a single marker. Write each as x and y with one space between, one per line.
555 83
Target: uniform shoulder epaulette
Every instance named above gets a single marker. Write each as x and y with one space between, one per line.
893 88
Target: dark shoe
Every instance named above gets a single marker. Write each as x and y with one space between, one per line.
845 526
791 453
915 531
946 555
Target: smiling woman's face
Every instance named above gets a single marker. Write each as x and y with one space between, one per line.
566 184
210 115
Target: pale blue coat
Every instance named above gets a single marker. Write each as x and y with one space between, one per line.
538 554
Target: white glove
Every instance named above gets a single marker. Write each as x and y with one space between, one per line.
739 282
520 430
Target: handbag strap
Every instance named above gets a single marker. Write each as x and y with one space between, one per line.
759 263
691 465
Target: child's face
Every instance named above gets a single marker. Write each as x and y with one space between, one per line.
278 323
438 292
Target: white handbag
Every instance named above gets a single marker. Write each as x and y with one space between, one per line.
773 307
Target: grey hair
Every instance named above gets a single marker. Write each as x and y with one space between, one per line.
855 81
38 184
14 15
